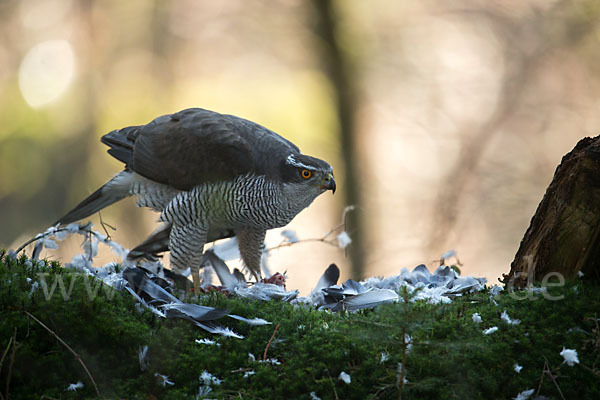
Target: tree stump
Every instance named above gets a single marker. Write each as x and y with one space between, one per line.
564 234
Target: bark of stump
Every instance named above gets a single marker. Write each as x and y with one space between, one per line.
564 233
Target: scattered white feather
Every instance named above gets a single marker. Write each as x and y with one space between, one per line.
524 395
156 311
504 316
570 356
143 358
345 378
343 240
409 341
517 368
79 263
399 373
74 386
203 392
447 255
490 330
290 235
253 321
49 243
272 361
495 290
208 342
208 379
580 274
432 295
164 380
61 234
313 396
207 276
227 332
72 228
34 286
384 357
476 318
90 246
117 249
265 291
11 254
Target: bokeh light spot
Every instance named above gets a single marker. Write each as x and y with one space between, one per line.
46 72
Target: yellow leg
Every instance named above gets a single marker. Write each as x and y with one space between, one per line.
196 280
256 274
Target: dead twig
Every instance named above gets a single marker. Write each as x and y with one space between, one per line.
104 225
5 353
39 237
287 244
324 239
270 340
13 341
537 393
547 371
77 356
332 385
593 371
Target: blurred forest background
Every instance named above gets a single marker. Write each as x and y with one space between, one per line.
444 121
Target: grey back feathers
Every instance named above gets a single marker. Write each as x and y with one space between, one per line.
195 146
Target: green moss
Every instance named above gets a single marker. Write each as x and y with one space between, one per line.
450 356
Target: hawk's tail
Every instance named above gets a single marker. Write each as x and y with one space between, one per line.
111 192
154 245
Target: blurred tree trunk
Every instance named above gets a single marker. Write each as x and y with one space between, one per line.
560 26
336 66
564 234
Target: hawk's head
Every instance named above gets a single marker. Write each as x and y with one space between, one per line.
306 177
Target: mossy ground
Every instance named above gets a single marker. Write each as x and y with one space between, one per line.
450 357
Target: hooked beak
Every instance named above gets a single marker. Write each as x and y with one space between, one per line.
329 183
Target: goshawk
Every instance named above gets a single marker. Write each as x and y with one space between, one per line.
210 176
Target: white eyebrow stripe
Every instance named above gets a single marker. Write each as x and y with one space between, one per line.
292 161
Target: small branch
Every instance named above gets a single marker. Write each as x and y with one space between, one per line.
332 385
11 362
104 225
27 243
548 371
5 353
39 237
288 244
340 226
557 387
270 340
537 393
77 357
323 239
593 371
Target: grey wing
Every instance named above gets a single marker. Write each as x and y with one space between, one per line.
195 146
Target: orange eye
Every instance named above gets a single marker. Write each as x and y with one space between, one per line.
306 173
